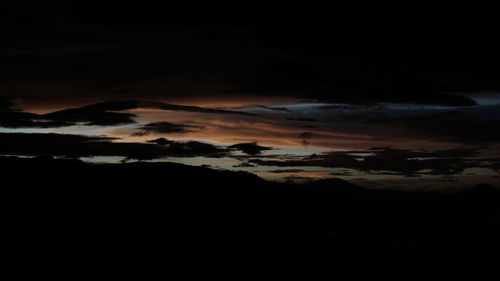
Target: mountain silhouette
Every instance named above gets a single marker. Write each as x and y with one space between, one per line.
70 216
333 186
483 188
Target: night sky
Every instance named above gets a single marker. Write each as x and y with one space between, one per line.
383 100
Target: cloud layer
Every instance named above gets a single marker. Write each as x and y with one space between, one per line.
76 146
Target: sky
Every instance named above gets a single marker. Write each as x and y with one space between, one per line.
286 93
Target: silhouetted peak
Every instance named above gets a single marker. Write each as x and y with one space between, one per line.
483 188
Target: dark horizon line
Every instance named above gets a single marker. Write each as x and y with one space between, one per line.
345 186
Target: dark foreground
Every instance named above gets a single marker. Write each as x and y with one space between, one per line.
70 218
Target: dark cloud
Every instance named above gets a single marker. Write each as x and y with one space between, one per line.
306 138
302 119
188 108
342 173
493 163
272 108
293 178
337 107
19 119
90 116
99 114
444 153
304 55
11 117
166 128
87 115
188 148
244 165
76 146
6 103
349 80
251 148
387 160
450 126
161 141
105 113
284 171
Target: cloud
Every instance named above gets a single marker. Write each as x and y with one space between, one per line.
301 119
11 117
273 108
6 103
19 119
342 173
76 146
87 115
298 179
306 137
90 116
105 113
392 161
449 126
285 171
99 114
161 141
289 58
354 81
244 165
166 128
251 148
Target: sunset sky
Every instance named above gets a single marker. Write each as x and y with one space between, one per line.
286 100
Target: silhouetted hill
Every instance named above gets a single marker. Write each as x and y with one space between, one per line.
69 216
